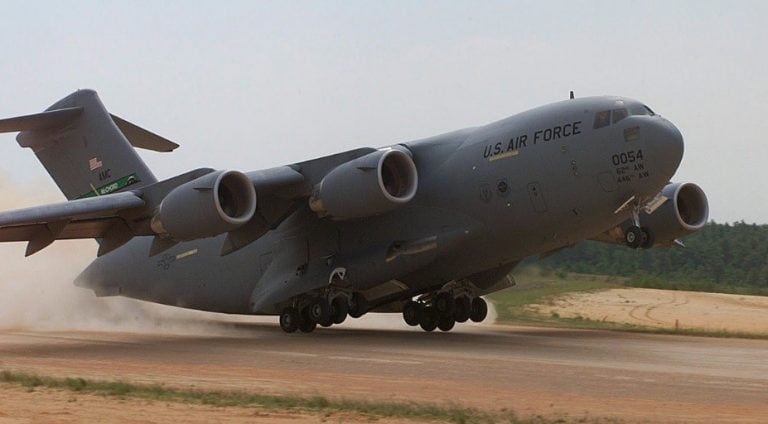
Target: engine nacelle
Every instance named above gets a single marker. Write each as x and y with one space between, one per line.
207 206
369 185
686 212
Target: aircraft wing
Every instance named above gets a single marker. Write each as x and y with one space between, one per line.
116 218
94 217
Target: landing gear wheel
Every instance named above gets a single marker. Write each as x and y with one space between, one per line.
339 310
446 322
429 318
649 239
444 303
412 313
306 323
463 309
633 237
319 311
289 319
358 305
479 310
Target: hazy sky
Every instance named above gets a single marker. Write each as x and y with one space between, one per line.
248 85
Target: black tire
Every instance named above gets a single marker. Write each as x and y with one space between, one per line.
429 318
289 319
463 309
633 237
479 310
445 304
649 238
326 322
339 309
358 305
306 323
319 311
446 322
412 313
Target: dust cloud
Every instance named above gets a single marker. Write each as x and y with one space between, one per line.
37 293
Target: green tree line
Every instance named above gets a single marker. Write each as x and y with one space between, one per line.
720 257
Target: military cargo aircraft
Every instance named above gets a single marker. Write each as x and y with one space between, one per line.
423 228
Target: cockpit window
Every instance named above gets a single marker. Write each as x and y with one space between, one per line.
619 114
640 110
602 119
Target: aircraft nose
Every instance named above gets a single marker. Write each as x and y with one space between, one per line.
667 142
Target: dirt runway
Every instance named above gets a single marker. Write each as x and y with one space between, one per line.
532 371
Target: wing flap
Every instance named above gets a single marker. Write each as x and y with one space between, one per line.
95 217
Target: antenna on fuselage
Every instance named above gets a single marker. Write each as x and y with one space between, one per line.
571 94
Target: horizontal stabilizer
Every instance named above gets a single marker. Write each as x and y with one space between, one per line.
143 139
51 119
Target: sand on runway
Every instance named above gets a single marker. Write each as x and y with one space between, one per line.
666 309
532 371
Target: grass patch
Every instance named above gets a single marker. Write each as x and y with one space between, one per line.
315 404
541 286
537 286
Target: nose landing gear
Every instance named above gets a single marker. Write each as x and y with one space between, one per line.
639 237
636 236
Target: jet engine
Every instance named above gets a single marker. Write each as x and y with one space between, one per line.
207 206
686 212
369 185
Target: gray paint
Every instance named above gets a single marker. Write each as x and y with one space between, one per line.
478 211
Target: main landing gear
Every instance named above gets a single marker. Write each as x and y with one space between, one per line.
443 310
307 314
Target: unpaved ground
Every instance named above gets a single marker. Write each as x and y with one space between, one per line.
47 406
666 309
531 371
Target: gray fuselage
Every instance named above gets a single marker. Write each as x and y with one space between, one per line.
487 198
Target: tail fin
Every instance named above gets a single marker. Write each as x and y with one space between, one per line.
87 151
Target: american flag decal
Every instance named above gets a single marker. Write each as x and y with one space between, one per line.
94 164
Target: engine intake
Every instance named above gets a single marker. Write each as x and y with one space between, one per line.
686 212
207 206
370 185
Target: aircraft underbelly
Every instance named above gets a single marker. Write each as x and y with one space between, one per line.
191 275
